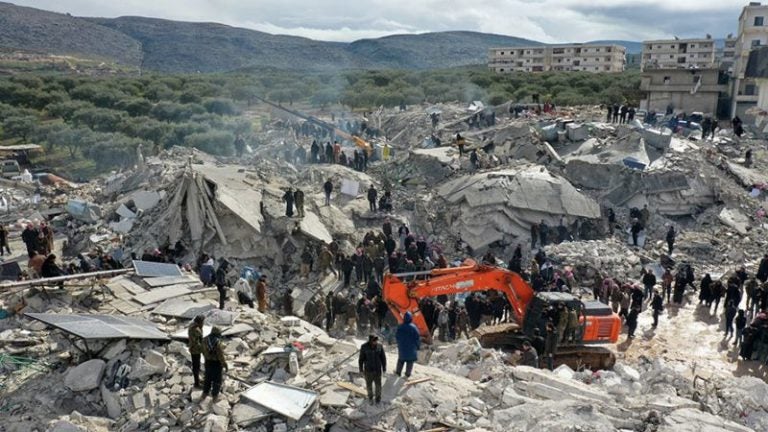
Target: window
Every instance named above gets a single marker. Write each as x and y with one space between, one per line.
671 56
693 46
755 43
667 80
749 90
758 21
501 70
502 53
673 47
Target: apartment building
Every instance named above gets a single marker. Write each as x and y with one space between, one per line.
571 57
753 33
678 53
728 56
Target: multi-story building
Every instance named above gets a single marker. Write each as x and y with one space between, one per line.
571 57
683 90
753 33
728 56
678 53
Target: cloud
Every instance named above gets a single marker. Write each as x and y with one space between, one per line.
344 20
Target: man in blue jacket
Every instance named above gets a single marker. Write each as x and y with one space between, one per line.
408 342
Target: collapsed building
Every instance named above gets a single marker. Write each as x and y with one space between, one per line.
62 351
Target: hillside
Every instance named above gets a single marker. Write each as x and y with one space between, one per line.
431 50
32 29
174 46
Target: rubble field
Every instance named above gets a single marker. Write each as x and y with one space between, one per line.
107 351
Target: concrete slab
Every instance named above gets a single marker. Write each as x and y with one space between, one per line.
154 282
161 294
291 402
180 308
312 226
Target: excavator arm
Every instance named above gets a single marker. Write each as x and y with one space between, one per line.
402 295
363 144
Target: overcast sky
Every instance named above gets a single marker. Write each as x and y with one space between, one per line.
348 20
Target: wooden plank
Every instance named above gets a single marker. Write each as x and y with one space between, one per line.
352 387
417 381
160 294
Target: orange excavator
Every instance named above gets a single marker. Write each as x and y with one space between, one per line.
598 324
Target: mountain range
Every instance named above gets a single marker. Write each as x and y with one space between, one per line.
174 46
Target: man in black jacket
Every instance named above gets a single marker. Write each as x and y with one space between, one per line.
372 194
373 364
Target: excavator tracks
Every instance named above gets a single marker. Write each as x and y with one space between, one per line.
577 357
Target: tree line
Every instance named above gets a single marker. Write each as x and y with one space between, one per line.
104 119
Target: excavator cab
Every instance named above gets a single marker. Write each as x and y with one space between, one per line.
598 323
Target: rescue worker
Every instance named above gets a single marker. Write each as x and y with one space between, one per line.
215 364
195 343
408 342
372 364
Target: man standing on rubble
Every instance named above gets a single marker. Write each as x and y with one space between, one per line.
543 233
373 364
221 282
657 304
288 198
261 294
4 240
298 198
372 195
632 322
762 269
671 234
635 230
408 342
314 152
239 145
215 364
328 188
649 280
195 334
30 237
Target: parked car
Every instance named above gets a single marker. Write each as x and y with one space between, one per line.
10 168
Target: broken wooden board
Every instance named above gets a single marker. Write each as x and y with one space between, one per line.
417 381
353 388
